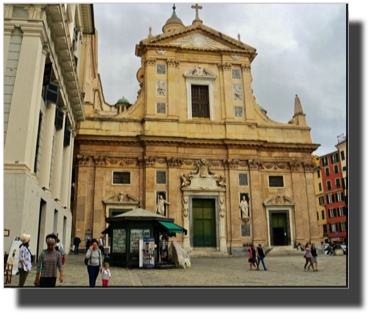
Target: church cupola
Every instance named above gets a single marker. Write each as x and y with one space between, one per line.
173 23
122 105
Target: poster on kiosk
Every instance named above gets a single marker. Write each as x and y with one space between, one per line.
148 253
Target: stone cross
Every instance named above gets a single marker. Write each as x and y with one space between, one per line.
196 7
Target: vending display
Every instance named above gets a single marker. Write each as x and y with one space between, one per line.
119 240
136 235
148 252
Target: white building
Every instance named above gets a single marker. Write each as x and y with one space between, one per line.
42 104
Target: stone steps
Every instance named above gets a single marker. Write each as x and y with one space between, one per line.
207 252
284 251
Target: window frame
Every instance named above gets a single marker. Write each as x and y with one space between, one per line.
327 171
337 180
336 169
208 92
342 157
232 76
166 177
283 182
121 184
158 113
239 180
240 106
320 186
323 214
327 185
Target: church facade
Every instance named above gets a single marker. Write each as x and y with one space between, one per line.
195 146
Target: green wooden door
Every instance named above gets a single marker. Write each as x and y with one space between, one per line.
279 229
204 223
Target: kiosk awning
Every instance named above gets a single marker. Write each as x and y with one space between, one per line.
173 228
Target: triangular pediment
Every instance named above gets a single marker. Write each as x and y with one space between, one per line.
198 37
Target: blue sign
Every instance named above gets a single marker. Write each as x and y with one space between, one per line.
336 233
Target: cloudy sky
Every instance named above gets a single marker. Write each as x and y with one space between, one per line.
301 50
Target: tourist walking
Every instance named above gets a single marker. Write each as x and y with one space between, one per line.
50 260
315 255
309 257
106 274
260 256
252 256
88 244
24 259
76 244
95 262
59 248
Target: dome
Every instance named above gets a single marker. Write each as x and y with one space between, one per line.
123 100
261 108
172 20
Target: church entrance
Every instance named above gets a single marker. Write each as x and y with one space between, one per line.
279 229
204 223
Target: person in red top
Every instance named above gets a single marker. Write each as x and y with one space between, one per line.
252 256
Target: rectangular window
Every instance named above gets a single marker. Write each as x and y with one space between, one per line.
239 112
328 184
335 214
276 181
317 215
337 183
121 178
160 177
336 158
243 179
321 200
342 226
344 183
200 101
236 74
333 227
324 230
52 93
320 186
327 171
47 74
331 213
332 159
161 68
342 155
336 169
339 196
323 214
341 211
319 173
330 199
344 168
161 107
325 161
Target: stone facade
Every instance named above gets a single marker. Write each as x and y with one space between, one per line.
221 157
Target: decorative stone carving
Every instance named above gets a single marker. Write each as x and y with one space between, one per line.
160 207
83 160
188 162
243 163
235 57
238 92
244 208
278 200
225 66
109 197
203 170
215 163
174 162
199 72
8 9
308 167
173 62
221 207
233 164
221 182
99 160
127 161
161 87
34 11
254 164
161 160
295 166
184 181
160 52
197 40
133 198
150 161
185 204
246 67
120 196
150 61
275 166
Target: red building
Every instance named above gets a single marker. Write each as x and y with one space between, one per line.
333 187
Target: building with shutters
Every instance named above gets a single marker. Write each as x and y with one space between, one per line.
42 106
196 138
320 201
334 197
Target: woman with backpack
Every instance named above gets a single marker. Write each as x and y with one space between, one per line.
94 262
252 256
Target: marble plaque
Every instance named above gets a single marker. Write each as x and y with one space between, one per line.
237 92
160 177
245 230
236 74
239 112
161 68
161 107
243 179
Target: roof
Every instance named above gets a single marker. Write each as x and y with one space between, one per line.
139 214
261 108
123 100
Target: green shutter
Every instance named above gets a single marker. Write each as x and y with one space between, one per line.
47 74
340 228
343 184
328 184
330 228
320 187
317 215
52 93
319 173
342 155
332 159
323 214
344 168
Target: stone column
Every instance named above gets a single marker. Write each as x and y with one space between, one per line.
172 82
234 202
21 143
58 158
247 88
150 85
47 146
222 222
66 174
259 223
301 213
228 93
311 203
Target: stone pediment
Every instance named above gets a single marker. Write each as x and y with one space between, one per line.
121 199
203 179
199 72
279 200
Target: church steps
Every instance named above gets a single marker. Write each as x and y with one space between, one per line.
207 252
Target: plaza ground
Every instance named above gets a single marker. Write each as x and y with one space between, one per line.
222 271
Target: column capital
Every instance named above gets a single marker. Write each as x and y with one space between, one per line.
45 49
34 30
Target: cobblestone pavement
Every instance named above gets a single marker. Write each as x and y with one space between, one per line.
227 271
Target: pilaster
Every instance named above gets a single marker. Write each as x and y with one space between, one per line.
234 201
248 99
258 221
174 197
150 181
66 177
173 83
311 203
228 95
150 85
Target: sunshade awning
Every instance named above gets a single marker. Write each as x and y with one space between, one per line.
107 231
173 228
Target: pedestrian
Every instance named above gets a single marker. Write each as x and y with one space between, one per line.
315 255
59 248
101 244
106 274
252 256
88 244
299 246
51 260
309 257
76 244
95 262
260 256
25 259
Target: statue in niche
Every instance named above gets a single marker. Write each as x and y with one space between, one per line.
160 208
244 207
184 181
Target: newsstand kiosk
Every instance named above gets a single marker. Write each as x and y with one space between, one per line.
128 230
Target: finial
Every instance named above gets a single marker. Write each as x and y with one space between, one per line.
150 33
239 36
174 13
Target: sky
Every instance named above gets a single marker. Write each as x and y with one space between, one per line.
301 50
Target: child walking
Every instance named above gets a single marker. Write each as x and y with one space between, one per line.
106 274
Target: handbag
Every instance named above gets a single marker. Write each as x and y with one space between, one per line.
87 259
304 255
39 275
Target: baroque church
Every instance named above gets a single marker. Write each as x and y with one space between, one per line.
195 146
